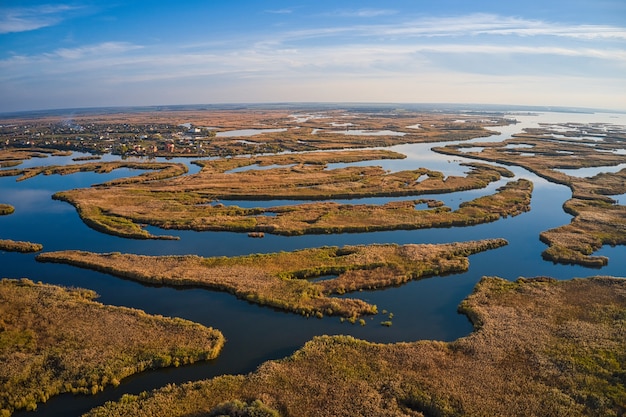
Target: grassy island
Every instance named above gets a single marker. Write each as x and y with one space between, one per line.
55 340
14 156
598 221
540 347
121 214
282 280
188 202
18 246
6 209
595 223
164 170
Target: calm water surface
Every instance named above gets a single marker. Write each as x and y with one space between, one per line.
424 309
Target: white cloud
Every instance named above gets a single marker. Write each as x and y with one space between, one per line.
492 58
280 11
105 48
366 13
462 26
31 18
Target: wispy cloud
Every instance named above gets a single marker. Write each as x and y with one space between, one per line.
364 13
105 48
23 19
426 53
280 11
465 26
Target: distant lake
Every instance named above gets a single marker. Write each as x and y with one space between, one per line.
425 309
246 132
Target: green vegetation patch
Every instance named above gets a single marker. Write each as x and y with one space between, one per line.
281 280
55 340
544 347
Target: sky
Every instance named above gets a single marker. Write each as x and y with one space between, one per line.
91 53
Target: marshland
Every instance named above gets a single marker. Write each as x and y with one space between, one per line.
407 311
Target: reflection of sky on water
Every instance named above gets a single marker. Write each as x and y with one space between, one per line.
31 200
591 171
369 132
246 132
619 199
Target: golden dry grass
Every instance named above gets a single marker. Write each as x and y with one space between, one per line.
541 348
597 221
185 202
164 170
6 209
280 280
19 246
14 157
55 340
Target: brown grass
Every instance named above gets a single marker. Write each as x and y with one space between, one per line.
55 340
541 348
597 221
185 203
18 246
164 170
6 209
280 280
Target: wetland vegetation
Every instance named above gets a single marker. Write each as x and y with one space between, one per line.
283 280
55 340
19 246
189 202
540 347
597 219
6 209
121 212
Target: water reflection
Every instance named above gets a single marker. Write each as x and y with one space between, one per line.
589 172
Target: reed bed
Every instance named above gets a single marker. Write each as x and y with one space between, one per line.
597 219
9 245
282 280
55 340
188 203
540 347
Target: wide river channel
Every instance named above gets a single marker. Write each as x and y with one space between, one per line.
425 309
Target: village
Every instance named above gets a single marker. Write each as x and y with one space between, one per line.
146 140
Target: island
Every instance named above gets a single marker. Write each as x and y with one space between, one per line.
55 340
283 280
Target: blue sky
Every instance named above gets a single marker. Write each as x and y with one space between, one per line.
118 53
